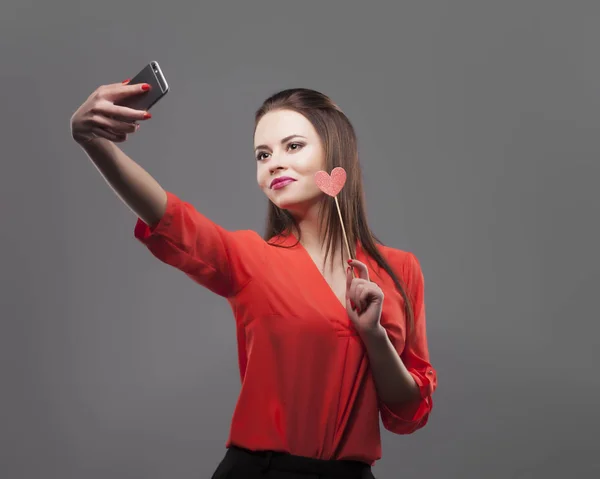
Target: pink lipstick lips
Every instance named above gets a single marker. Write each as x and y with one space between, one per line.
280 182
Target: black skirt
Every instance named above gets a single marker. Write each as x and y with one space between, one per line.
240 463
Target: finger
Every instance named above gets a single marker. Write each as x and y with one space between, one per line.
350 309
109 135
360 297
353 293
122 112
374 293
358 281
364 295
120 91
116 126
107 108
349 278
363 272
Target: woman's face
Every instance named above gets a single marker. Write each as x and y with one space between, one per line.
288 150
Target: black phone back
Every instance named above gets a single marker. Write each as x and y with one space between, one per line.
152 75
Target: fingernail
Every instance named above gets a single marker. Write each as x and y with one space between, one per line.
352 305
126 81
349 261
147 116
145 87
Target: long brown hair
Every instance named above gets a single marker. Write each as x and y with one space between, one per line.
340 144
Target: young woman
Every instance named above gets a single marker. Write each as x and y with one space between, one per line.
326 346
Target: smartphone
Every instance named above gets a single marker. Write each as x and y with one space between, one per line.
153 75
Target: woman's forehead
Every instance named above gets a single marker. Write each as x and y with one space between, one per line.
279 124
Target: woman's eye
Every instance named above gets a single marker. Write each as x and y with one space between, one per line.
292 146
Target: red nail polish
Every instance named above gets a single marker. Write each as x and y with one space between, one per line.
352 305
145 87
349 261
147 116
126 81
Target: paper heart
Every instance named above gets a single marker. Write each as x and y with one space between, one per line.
333 184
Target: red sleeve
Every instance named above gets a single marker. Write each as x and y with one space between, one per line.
221 260
415 356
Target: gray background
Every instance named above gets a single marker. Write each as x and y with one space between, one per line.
478 126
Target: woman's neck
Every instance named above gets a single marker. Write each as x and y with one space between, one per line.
313 240
311 237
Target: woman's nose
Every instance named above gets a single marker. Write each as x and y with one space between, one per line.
275 164
275 169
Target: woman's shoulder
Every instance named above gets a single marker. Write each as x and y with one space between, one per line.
398 257
403 262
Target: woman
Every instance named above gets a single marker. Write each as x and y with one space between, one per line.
321 353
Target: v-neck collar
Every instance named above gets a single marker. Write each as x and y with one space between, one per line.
291 241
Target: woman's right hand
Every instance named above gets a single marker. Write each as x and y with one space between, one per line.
99 117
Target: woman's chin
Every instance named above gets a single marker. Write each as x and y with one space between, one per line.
284 203
291 207
295 206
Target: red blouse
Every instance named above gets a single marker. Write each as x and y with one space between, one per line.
306 384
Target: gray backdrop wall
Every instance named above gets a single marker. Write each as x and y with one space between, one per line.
478 128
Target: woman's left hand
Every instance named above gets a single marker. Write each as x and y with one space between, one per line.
364 299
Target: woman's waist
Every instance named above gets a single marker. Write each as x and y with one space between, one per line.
243 457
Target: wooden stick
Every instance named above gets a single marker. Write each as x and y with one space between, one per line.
344 231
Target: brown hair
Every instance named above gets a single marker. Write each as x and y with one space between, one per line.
340 144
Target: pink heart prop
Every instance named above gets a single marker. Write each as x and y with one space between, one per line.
333 184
